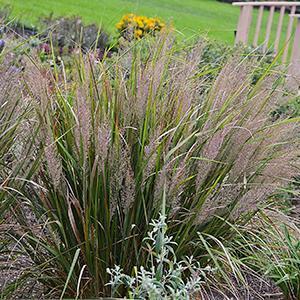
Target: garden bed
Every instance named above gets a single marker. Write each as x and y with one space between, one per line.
151 171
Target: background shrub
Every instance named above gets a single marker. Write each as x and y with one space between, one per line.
70 33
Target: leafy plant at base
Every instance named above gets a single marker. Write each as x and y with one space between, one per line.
162 278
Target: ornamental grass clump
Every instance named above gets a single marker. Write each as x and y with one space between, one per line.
16 120
120 135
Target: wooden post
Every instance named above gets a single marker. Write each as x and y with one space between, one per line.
244 24
288 35
258 25
269 27
294 68
279 29
246 18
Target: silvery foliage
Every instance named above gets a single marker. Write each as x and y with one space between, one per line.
163 277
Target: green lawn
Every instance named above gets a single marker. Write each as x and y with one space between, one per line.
217 20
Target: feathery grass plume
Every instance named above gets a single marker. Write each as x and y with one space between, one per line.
209 152
151 75
231 84
122 180
37 79
83 126
10 110
151 147
151 152
103 135
176 186
128 183
39 87
185 84
18 164
17 133
52 160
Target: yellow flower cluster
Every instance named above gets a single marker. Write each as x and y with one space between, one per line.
139 26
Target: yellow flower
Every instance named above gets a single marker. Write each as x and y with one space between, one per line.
141 25
151 24
138 33
119 25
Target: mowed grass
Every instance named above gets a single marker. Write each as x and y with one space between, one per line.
190 17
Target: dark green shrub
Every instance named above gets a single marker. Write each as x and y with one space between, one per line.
69 33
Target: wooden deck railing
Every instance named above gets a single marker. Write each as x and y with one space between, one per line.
245 23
